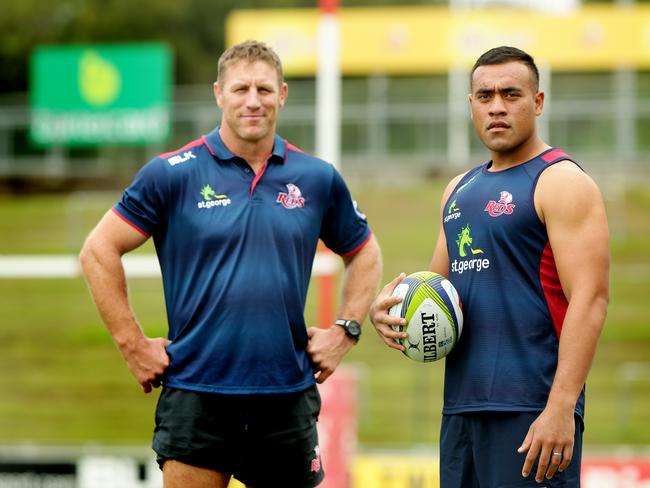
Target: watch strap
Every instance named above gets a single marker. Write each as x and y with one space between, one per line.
352 328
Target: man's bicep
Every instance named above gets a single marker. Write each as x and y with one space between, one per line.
440 259
368 250
117 233
578 234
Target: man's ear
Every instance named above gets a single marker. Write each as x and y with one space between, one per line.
216 90
539 103
284 93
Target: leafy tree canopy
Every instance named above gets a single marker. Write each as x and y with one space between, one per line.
193 28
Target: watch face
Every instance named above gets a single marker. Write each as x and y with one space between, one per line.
354 328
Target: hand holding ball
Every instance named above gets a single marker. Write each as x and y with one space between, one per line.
434 318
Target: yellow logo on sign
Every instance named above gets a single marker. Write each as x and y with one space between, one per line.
99 79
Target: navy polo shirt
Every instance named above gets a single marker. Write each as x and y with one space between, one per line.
236 252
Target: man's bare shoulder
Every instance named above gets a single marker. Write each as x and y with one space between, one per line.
564 176
565 187
453 183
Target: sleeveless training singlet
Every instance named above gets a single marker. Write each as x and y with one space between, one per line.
502 265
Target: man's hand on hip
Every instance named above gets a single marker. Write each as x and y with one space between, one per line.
148 360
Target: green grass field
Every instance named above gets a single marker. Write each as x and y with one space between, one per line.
63 381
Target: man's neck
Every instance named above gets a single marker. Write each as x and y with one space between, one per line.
519 155
255 153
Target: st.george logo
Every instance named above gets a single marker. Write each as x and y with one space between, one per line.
466 261
292 199
211 199
503 207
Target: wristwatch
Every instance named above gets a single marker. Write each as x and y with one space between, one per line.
352 328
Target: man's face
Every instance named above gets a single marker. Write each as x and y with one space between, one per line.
250 96
504 103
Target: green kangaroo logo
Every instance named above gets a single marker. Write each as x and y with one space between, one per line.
465 239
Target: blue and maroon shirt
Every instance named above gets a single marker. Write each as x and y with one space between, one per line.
236 252
502 265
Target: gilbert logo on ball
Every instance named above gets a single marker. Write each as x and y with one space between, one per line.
433 313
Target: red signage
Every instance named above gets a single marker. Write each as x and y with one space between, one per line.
615 473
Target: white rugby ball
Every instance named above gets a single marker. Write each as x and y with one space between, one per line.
433 313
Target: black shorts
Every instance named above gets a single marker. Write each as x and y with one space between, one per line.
262 440
480 449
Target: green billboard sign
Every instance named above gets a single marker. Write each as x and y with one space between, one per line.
85 95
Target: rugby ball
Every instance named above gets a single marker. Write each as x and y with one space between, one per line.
433 313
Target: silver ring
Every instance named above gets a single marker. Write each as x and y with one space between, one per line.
557 454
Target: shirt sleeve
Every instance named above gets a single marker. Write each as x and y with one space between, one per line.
141 204
345 228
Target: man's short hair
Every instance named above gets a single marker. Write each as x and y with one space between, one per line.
507 54
250 51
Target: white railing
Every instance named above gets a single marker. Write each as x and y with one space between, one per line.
135 266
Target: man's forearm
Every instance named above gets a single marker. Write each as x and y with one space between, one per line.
106 280
360 281
578 342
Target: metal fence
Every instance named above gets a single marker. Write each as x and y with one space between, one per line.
403 125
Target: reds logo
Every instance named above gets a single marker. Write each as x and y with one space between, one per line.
315 463
503 206
292 199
